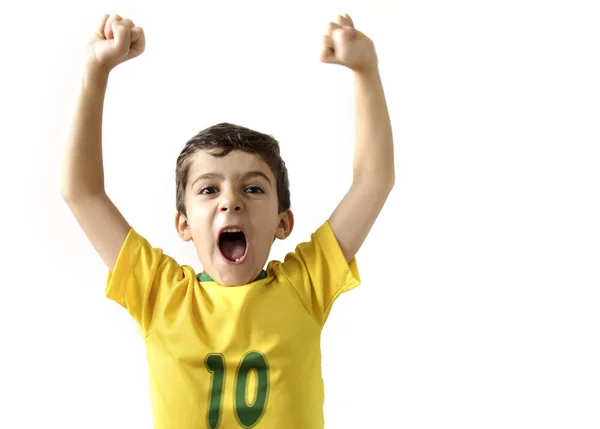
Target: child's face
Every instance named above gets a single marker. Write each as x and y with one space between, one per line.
237 191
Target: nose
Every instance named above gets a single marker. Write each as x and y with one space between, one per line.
230 201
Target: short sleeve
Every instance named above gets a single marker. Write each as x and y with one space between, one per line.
319 273
143 277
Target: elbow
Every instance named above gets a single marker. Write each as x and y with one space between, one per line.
382 180
73 188
68 190
68 195
72 194
380 185
391 183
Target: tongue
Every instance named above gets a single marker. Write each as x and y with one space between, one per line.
233 249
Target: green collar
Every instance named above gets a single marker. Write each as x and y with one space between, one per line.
203 277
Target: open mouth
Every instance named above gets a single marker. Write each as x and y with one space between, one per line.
233 245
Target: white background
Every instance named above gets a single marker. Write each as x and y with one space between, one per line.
480 295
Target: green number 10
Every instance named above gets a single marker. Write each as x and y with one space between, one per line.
247 415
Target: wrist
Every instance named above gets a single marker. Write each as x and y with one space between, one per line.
94 77
367 71
367 74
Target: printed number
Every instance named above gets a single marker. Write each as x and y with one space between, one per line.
216 365
247 414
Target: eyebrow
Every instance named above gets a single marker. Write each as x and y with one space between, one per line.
207 176
257 174
249 174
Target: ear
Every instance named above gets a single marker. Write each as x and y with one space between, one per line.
183 227
286 225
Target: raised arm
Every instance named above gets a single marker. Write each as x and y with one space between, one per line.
82 182
373 174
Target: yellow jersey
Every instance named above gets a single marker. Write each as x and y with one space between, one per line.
244 356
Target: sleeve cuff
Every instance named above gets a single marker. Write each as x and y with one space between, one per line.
116 282
349 275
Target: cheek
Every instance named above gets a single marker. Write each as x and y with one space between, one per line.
200 217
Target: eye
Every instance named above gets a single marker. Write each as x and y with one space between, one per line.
208 190
255 190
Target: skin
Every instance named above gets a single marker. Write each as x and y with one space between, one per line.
117 40
232 197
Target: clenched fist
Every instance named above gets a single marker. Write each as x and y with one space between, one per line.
115 41
345 45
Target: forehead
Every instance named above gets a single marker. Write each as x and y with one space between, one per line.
235 164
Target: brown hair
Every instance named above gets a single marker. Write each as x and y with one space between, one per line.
221 139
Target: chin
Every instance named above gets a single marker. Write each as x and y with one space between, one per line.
233 279
236 271
228 274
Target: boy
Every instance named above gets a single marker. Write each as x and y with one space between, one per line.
234 346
